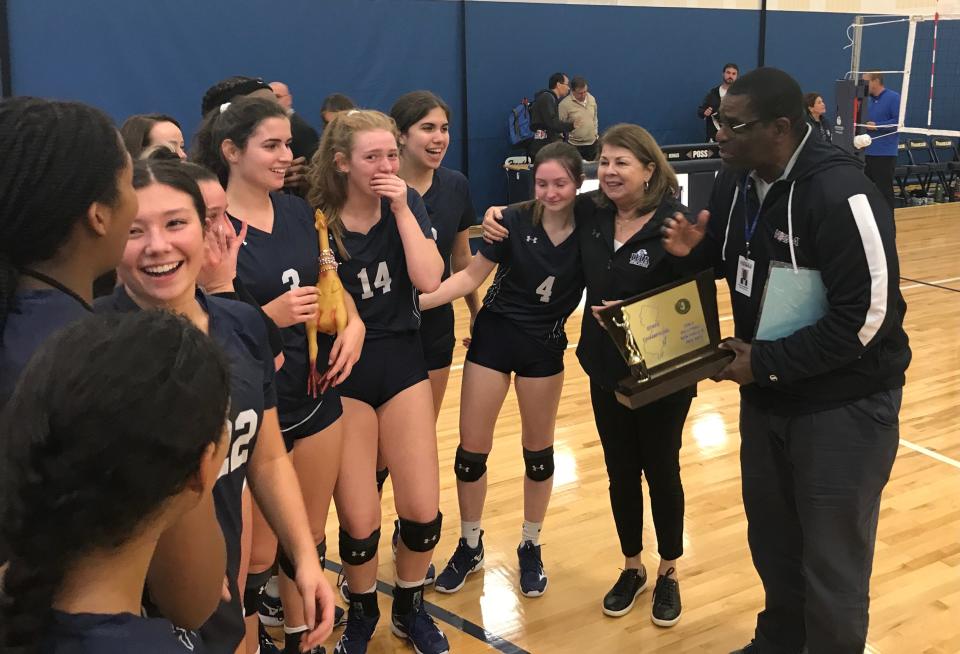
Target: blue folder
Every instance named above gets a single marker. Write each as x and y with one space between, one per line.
791 301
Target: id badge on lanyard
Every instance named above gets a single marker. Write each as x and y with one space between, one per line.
746 265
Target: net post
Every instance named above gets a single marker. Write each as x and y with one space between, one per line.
907 64
855 50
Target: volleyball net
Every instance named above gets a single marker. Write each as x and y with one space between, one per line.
920 56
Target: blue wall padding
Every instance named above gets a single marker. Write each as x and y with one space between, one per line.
138 57
645 65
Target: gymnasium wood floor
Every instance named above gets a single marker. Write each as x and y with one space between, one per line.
916 577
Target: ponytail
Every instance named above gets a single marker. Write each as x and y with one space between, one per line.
234 121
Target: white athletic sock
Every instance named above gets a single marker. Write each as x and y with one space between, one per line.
294 630
272 587
410 584
372 589
470 532
531 532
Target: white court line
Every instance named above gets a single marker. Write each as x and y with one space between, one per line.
931 453
938 281
905 443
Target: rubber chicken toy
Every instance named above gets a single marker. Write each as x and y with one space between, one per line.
331 309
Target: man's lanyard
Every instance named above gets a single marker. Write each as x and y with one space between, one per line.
749 227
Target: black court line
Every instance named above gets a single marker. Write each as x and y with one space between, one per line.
917 281
452 619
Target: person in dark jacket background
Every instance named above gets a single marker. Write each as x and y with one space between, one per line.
305 138
817 116
545 114
819 411
707 111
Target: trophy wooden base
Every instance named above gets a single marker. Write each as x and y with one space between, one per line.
635 394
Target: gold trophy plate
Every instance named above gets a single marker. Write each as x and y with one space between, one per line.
669 338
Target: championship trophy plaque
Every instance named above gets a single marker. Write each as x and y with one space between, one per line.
669 338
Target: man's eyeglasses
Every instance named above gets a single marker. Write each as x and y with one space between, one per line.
739 128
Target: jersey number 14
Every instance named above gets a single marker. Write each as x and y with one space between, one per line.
382 280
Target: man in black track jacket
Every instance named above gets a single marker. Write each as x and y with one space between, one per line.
545 114
819 412
707 111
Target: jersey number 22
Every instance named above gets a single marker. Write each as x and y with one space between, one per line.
242 431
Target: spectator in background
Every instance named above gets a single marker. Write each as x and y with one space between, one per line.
305 138
881 155
545 114
707 111
580 107
816 116
144 131
334 104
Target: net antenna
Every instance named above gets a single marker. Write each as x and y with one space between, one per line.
914 63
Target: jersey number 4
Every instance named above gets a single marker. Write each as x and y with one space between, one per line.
382 280
545 290
242 432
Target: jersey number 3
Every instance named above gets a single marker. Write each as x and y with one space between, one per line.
382 280
545 290
292 277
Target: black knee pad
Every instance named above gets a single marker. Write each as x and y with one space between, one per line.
251 592
382 478
539 464
357 551
469 466
286 565
420 536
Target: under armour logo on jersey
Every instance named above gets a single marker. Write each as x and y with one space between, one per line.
532 239
596 233
640 258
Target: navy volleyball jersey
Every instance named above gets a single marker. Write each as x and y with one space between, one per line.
271 263
35 316
538 284
239 331
117 633
375 273
450 208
